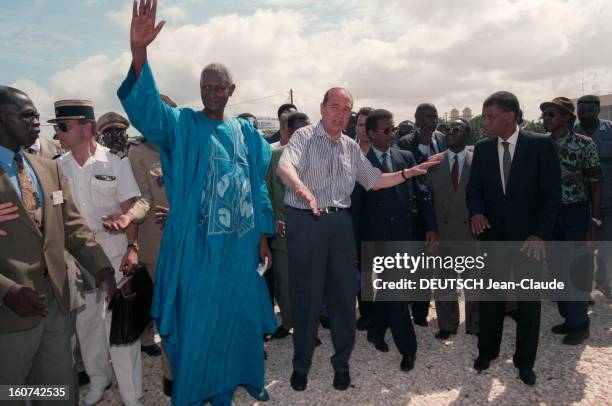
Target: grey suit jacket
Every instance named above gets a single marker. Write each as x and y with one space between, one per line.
450 207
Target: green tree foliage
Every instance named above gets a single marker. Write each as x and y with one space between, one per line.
477 131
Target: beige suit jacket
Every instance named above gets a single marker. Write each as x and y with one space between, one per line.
451 210
26 252
146 166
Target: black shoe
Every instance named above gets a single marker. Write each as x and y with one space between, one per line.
380 345
151 350
324 321
83 378
318 342
281 332
527 376
559 329
481 364
167 385
298 381
420 321
342 380
407 362
576 337
471 332
362 323
444 334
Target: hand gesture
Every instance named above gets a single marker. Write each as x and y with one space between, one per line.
25 302
116 222
479 223
8 212
161 214
305 194
534 247
143 29
107 277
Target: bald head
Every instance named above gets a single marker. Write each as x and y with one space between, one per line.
337 91
9 96
217 70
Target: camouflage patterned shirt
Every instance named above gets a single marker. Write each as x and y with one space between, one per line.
579 167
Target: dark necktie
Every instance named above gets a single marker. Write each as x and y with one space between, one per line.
385 167
455 173
30 198
506 162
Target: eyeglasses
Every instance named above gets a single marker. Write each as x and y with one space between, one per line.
387 131
455 130
61 127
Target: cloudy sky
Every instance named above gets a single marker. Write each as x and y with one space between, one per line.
389 54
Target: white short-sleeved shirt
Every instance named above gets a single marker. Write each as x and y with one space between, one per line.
100 185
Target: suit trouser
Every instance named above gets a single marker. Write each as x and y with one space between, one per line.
321 264
281 286
93 329
41 355
447 307
395 315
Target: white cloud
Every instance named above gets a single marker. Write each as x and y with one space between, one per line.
389 54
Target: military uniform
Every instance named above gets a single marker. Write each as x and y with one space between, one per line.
99 186
146 165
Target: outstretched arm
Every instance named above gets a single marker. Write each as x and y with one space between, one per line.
143 31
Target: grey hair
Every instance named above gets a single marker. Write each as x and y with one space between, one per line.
218 69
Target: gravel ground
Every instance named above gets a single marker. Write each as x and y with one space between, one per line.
443 372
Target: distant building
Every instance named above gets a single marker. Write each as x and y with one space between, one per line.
466 114
606 106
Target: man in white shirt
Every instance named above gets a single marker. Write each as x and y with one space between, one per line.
103 185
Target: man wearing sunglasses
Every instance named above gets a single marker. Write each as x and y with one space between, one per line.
103 185
600 131
386 215
447 183
39 222
579 217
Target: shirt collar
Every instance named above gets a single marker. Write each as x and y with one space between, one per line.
98 155
379 152
513 138
320 131
460 155
7 156
36 145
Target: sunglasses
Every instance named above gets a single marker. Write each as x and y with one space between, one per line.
387 131
61 127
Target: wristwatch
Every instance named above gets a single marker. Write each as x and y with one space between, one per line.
135 246
596 221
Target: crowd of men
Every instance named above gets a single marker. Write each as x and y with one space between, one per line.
203 201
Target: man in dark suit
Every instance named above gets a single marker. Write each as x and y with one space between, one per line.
386 215
423 142
34 294
514 195
447 183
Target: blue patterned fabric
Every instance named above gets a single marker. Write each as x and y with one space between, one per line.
210 305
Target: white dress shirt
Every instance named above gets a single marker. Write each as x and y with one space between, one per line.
500 151
460 160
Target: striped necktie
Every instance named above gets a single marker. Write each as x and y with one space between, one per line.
31 200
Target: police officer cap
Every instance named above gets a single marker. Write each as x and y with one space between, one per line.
112 120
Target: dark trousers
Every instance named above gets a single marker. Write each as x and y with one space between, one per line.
527 331
395 315
321 264
572 225
506 259
420 309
